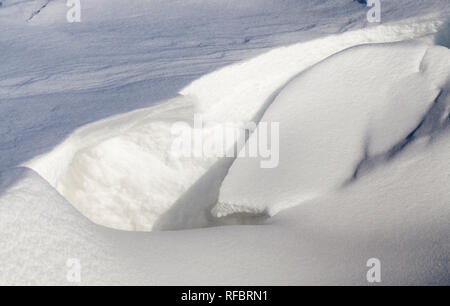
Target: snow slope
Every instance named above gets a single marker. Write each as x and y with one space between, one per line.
359 104
97 164
392 214
87 108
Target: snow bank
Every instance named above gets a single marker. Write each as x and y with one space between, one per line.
398 213
120 173
356 105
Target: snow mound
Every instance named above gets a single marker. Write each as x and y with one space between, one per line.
116 171
119 172
327 240
360 105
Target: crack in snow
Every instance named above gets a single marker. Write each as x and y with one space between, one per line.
38 11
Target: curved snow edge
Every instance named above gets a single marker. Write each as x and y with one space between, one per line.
84 168
404 98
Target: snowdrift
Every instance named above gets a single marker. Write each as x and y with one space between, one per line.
398 213
389 198
119 172
357 107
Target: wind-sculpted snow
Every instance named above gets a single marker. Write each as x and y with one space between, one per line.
120 172
371 182
357 105
398 213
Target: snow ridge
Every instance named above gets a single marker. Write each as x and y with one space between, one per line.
375 110
98 163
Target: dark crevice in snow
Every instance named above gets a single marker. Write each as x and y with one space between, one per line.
429 125
39 10
396 149
362 162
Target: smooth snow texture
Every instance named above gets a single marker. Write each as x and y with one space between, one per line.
399 213
120 172
354 106
56 77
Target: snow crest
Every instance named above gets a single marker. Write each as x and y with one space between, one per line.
119 173
358 107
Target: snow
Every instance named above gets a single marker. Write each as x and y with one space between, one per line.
357 104
86 112
391 214
97 164
443 36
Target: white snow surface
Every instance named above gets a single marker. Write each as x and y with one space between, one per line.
86 114
98 163
357 104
